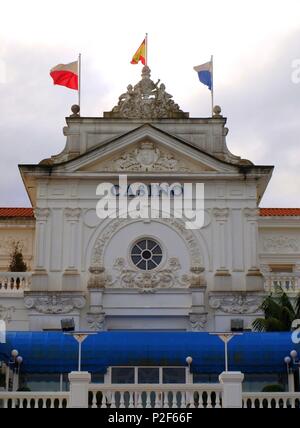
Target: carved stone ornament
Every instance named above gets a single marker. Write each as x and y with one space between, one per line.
148 281
54 303
6 313
251 213
146 100
96 322
115 225
8 243
198 321
97 278
239 303
196 277
72 213
221 214
41 214
284 244
147 158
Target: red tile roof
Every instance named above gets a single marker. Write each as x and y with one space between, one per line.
264 212
16 212
279 212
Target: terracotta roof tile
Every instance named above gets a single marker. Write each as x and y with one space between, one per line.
16 212
280 212
264 212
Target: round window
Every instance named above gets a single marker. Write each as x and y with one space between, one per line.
146 254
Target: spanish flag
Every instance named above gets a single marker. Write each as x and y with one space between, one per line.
66 75
140 54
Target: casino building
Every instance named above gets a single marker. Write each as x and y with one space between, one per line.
151 288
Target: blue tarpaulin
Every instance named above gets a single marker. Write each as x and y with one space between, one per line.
45 352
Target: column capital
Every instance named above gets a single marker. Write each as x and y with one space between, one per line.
42 214
251 213
72 214
221 214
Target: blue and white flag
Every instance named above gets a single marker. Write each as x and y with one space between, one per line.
205 74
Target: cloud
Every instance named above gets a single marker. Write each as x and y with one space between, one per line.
252 75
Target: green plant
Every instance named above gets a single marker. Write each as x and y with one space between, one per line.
17 263
280 311
273 388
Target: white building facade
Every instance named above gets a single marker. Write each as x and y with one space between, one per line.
145 274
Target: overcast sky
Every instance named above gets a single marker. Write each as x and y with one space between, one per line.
254 45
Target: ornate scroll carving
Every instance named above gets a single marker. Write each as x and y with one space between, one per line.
96 322
54 304
115 225
148 281
198 321
235 303
6 313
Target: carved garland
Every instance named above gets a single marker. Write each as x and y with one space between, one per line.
177 225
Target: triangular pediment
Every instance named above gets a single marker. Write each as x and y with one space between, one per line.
146 149
146 156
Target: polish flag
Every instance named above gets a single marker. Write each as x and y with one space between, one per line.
66 75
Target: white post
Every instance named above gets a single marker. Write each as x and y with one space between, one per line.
232 389
212 85
226 355
79 390
146 48
291 381
79 80
79 357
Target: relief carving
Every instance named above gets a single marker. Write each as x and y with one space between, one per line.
6 313
179 226
235 304
284 244
147 158
198 321
148 281
54 304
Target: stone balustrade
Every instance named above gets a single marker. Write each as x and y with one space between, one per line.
192 396
289 282
14 282
270 400
34 400
156 396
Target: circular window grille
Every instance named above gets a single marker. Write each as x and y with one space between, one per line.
146 254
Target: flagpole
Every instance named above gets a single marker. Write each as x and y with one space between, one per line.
79 80
212 85
146 39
